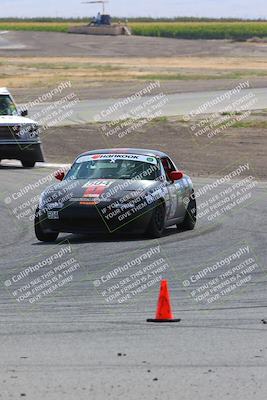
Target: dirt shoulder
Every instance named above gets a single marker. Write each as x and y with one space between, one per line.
205 157
90 72
40 60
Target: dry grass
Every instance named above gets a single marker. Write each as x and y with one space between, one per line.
41 71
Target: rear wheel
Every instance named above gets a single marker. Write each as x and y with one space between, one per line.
190 219
156 226
40 233
28 163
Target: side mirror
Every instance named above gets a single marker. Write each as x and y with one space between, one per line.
176 175
59 175
24 113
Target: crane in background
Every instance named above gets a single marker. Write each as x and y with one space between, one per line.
103 2
101 24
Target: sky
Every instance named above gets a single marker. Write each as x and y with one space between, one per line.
136 8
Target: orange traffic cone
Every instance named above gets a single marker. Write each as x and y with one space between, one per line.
164 311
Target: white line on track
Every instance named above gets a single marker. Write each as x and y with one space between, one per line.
15 163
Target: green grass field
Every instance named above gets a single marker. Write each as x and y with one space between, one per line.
182 30
36 26
201 30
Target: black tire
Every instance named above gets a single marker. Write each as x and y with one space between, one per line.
190 219
40 234
28 163
157 224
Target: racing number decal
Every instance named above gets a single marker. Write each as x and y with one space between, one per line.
95 189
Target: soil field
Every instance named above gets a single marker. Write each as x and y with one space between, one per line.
109 66
63 44
204 157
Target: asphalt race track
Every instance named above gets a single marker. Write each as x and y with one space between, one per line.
178 104
73 344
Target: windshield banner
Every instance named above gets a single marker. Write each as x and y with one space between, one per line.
114 157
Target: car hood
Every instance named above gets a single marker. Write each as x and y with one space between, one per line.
104 189
11 120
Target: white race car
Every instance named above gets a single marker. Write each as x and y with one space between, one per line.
19 136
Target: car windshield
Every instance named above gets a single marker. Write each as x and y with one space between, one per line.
115 167
7 106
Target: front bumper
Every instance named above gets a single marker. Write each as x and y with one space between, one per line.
90 219
23 150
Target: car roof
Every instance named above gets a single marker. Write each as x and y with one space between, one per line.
3 90
128 150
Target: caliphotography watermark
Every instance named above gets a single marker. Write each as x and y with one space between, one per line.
43 277
48 110
130 114
24 201
235 189
132 276
225 275
214 117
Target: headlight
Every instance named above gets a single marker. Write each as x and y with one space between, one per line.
48 203
29 131
42 201
34 131
16 130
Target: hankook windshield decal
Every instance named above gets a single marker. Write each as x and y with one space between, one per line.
112 157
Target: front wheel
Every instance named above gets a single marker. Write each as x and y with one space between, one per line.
40 233
156 226
190 219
